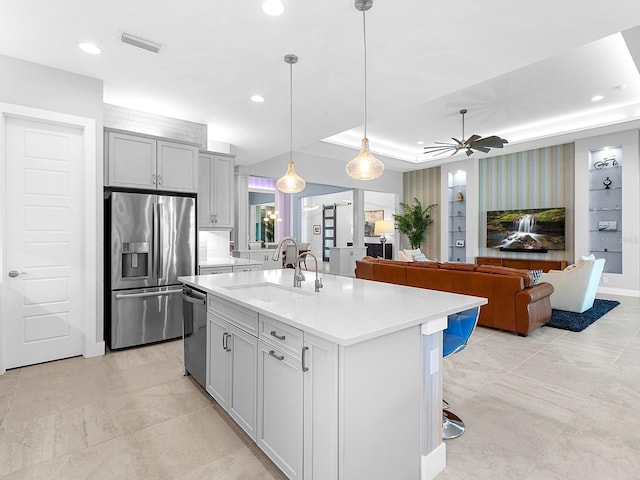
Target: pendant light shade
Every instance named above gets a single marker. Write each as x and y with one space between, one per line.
291 182
365 166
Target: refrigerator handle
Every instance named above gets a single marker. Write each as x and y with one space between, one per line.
159 252
156 222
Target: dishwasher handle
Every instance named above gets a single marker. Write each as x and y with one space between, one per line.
193 296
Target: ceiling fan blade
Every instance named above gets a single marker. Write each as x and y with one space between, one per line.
438 150
480 148
458 141
491 142
472 139
469 152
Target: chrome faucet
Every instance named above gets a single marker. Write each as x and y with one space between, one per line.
318 283
298 277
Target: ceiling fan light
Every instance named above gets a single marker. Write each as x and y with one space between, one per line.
273 7
290 182
365 166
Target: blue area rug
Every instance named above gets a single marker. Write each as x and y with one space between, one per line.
576 322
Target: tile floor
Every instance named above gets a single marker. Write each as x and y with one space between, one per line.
555 405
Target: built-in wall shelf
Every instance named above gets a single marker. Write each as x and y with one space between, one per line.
605 206
457 204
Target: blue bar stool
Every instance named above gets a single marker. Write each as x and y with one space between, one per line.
460 327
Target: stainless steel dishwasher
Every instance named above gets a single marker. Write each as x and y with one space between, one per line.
194 332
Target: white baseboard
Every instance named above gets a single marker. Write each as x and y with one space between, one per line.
619 291
434 463
94 349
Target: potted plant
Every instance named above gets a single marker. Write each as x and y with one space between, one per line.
414 221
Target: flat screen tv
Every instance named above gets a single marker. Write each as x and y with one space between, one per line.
526 230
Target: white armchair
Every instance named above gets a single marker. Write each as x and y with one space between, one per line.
574 288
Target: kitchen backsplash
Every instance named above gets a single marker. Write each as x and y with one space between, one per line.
213 244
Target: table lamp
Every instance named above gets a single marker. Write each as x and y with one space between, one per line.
382 227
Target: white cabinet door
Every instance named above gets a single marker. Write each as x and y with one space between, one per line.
242 379
217 358
205 218
131 161
232 371
177 168
215 191
222 191
279 429
266 257
320 371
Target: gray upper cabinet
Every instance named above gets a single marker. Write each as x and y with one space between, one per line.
138 161
215 190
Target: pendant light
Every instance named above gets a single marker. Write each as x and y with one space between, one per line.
291 182
365 166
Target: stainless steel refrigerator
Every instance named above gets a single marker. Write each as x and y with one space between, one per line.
150 240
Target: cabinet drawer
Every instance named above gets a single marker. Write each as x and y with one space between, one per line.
215 270
287 338
246 268
239 316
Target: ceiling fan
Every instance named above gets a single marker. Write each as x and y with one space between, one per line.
474 142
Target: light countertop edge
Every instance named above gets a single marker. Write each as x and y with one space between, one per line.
346 311
228 262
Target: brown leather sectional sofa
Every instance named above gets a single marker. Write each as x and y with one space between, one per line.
515 303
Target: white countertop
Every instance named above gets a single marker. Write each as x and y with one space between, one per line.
346 311
228 262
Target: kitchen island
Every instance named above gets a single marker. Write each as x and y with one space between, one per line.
341 384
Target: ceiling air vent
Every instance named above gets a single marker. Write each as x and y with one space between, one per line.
141 42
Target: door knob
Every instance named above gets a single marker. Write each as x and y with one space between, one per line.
15 273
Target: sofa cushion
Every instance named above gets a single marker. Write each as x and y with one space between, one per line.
526 275
428 264
386 261
467 267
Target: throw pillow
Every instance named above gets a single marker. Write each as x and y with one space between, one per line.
404 257
411 253
419 257
536 276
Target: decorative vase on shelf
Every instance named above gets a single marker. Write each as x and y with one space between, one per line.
460 196
607 183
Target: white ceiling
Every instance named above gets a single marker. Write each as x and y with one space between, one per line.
522 69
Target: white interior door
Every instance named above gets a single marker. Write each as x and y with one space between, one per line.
45 247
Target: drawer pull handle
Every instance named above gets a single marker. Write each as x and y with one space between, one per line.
304 359
275 355
279 337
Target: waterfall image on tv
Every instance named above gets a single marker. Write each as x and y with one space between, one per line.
528 230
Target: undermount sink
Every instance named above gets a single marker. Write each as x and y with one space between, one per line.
270 292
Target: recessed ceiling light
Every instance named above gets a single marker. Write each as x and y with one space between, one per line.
273 7
597 98
90 48
420 142
257 99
